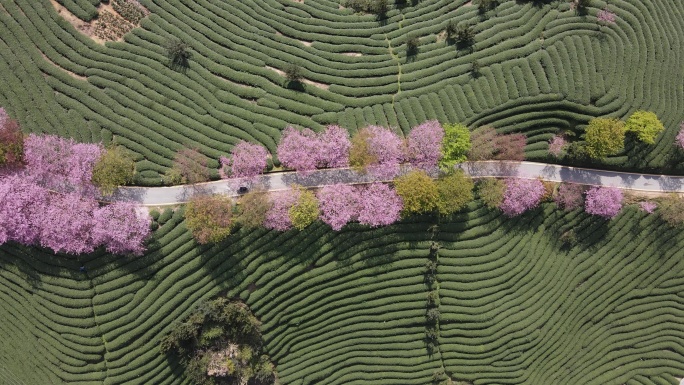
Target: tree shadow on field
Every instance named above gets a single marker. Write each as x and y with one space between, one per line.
592 231
377 248
673 161
536 3
529 221
19 256
295 85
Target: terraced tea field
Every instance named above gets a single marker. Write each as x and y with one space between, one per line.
516 306
543 68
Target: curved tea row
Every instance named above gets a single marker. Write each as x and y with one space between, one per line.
542 69
516 306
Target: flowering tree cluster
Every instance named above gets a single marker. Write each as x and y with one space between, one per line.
374 205
570 196
21 208
376 149
679 140
603 201
246 160
488 144
387 149
61 164
11 141
648 207
339 205
305 150
424 145
51 202
557 145
189 166
278 215
521 195
69 223
606 16
379 205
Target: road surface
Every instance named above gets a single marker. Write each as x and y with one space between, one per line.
160 196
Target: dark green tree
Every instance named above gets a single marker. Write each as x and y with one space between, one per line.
178 53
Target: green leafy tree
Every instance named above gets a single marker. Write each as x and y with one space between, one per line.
114 168
486 5
455 145
671 209
293 73
645 124
451 28
455 192
604 136
491 191
189 166
178 53
253 208
209 218
418 192
305 211
220 343
465 36
412 45
360 154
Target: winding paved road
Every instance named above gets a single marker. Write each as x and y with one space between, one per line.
159 196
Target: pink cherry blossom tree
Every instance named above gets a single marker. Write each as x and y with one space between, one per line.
557 145
521 195
424 145
3 116
606 16
52 202
388 150
305 150
67 223
648 207
246 160
379 205
334 147
570 196
21 209
61 164
298 149
679 140
121 228
603 201
511 147
338 204
278 215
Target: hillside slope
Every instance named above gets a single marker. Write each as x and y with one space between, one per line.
543 68
516 306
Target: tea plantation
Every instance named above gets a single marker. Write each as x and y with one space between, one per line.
543 67
516 306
